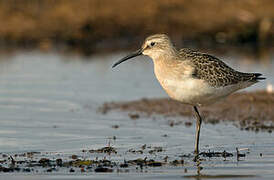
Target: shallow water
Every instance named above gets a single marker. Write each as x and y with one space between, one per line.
49 103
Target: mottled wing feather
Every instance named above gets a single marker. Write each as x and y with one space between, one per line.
214 71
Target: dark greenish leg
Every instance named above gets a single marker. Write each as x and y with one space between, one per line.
198 127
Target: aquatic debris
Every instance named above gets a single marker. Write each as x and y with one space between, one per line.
156 149
136 151
50 170
221 176
137 161
165 159
223 154
79 163
145 148
134 116
186 155
188 124
239 154
49 163
107 149
144 162
10 169
172 123
154 163
177 162
59 162
124 165
74 156
115 126
30 154
103 169
44 162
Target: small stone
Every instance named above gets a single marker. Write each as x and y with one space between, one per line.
74 156
59 162
103 169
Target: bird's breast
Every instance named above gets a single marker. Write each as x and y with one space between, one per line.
186 90
179 84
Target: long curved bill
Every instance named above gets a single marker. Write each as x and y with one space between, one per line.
132 55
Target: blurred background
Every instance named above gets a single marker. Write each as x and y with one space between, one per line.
92 26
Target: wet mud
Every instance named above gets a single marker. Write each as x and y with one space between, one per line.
247 110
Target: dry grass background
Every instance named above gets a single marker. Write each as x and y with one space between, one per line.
95 23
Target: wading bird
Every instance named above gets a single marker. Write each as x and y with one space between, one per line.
192 77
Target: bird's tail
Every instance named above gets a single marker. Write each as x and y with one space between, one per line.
252 77
257 77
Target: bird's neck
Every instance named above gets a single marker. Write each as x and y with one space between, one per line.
165 55
167 67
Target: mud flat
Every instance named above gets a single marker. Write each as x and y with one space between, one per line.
248 110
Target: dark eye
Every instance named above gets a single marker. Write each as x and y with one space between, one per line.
152 43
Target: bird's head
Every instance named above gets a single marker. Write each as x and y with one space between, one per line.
154 46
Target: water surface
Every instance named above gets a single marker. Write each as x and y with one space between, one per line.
49 103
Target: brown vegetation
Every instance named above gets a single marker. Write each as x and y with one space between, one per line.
94 24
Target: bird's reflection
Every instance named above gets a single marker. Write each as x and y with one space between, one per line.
199 167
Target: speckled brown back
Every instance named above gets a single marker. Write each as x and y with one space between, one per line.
214 71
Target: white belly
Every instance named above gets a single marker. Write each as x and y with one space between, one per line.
179 84
196 91
189 91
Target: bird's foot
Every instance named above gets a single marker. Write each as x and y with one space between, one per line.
196 156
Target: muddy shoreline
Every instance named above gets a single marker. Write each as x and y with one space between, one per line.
247 110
